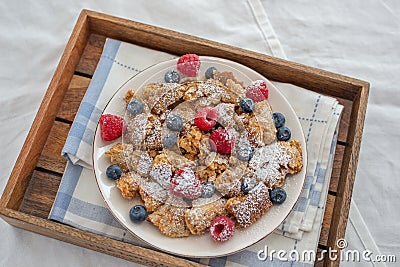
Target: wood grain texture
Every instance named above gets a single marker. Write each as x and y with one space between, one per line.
72 99
40 194
178 43
348 171
85 239
50 158
42 124
345 119
319 263
91 55
326 222
336 168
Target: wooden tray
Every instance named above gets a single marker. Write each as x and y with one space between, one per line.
34 181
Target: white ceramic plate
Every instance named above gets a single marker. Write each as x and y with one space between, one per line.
197 246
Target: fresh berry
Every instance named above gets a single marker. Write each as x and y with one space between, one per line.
138 213
247 105
189 65
283 133
210 72
247 185
279 119
172 77
208 190
114 172
111 127
222 141
185 184
245 153
169 140
277 195
206 119
188 201
222 229
257 90
174 122
135 106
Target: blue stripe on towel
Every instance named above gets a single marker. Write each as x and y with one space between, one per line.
87 110
66 190
93 212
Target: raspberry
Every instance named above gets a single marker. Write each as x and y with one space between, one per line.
257 90
206 118
222 141
222 228
185 184
111 127
189 64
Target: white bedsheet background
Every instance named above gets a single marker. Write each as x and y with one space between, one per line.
356 38
360 39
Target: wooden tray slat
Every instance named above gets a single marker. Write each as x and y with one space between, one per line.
73 97
51 158
348 172
326 223
91 55
318 263
40 194
345 119
30 193
336 168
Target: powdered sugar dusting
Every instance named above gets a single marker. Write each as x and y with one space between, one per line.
250 208
162 173
154 190
226 113
135 131
141 162
186 184
270 164
222 229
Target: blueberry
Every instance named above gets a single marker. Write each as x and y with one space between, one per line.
208 190
247 105
245 153
283 133
172 77
188 201
135 106
210 72
277 195
169 140
138 213
114 172
174 122
247 185
279 119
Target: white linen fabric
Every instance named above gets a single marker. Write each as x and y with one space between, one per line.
357 38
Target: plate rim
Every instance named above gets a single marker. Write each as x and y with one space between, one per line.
227 61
